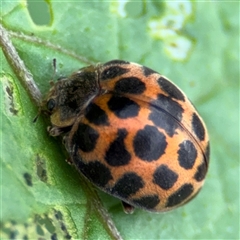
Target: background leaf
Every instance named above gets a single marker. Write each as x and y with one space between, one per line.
195 44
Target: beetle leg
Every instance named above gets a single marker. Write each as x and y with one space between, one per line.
127 208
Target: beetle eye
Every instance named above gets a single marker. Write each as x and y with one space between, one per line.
51 104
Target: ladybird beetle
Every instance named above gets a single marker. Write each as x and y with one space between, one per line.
132 133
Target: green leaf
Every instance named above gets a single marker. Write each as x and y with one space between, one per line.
193 43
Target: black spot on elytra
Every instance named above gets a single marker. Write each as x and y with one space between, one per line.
207 153
95 171
147 71
198 127
164 121
164 177
96 115
201 172
147 202
169 105
117 154
28 179
128 184
131 85
123 107
187 154
170 89
112 72
85 138
166 114
116 61
149 144
180 195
